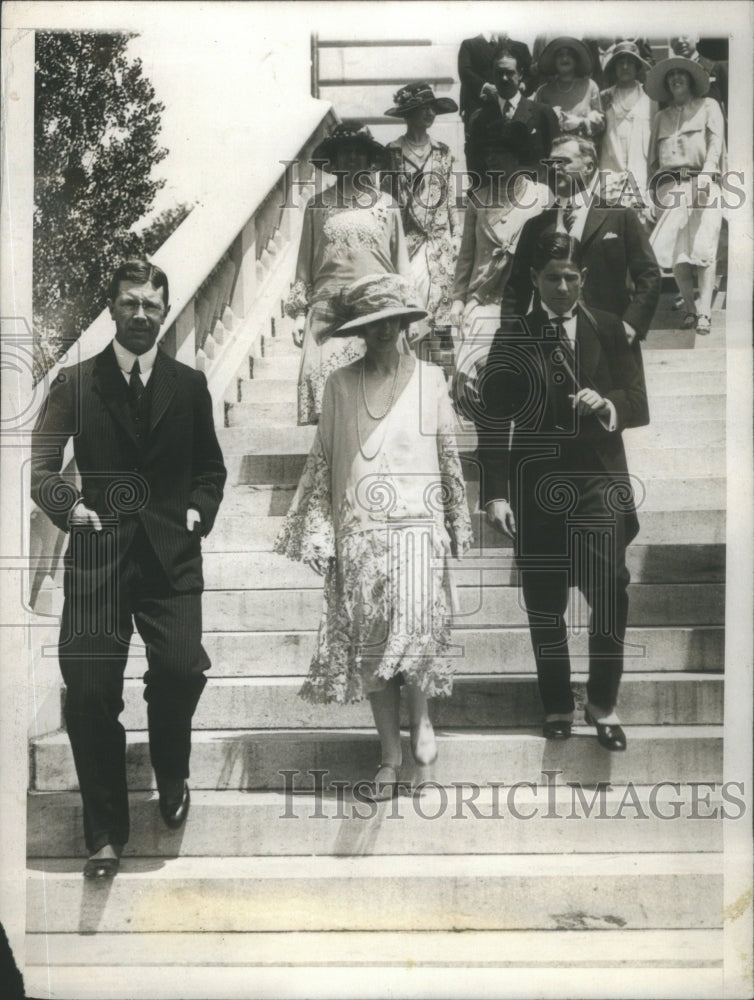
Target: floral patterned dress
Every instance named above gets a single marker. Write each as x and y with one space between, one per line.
339 244
426 193
379 510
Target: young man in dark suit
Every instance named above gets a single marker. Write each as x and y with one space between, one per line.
507 120
152 478
622 275
555 397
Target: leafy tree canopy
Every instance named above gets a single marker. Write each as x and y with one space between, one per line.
95 144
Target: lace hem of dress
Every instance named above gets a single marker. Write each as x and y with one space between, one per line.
298 298
307 532
371 631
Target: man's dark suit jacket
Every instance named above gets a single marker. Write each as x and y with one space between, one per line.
178 463
526 138
517 385
475 60
616 253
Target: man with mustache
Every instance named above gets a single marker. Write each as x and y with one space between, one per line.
152 478
521 130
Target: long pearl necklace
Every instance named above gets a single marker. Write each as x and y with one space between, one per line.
565 90
374 416
619 99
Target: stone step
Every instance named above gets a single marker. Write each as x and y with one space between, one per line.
700 359
253 759
287 653
479 701
269 468
675 493
650 604
646 563
434 820
668 433
285 367
489 892
640 949
657 527
245 533
255 414
692 981
494 651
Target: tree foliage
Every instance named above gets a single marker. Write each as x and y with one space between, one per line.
163 226
95 145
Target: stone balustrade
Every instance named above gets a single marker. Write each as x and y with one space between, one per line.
229 264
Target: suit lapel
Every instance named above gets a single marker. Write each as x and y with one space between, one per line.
596 218
163 389
523 111
589 347
109 384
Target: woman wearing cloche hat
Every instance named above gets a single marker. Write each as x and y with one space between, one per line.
421 179
349 230
380 507
571 93
628 114
687 154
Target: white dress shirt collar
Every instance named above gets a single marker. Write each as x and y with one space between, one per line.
584 198
566 317
512 102
126 358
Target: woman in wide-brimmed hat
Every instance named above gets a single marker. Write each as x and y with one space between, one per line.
349 230
422 180
380 507
687 154
628 115
571 93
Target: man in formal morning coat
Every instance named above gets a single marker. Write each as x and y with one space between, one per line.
152 477
555 397
622 274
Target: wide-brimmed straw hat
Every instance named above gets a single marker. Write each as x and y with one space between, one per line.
418 95
372 298
655 83
583 57
348 132
623 49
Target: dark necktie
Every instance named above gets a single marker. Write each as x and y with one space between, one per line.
569 216
506 111
134 381
558 324
563 376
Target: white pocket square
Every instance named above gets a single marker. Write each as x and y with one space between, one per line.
610 236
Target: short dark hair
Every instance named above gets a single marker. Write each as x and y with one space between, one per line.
677 69
507 51
139 270
556 246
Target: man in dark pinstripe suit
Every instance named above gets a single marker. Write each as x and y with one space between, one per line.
152 478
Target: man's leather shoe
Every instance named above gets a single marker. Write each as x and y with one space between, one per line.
103 867
611 737
556 729
175 800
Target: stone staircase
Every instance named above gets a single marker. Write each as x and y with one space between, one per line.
264 873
